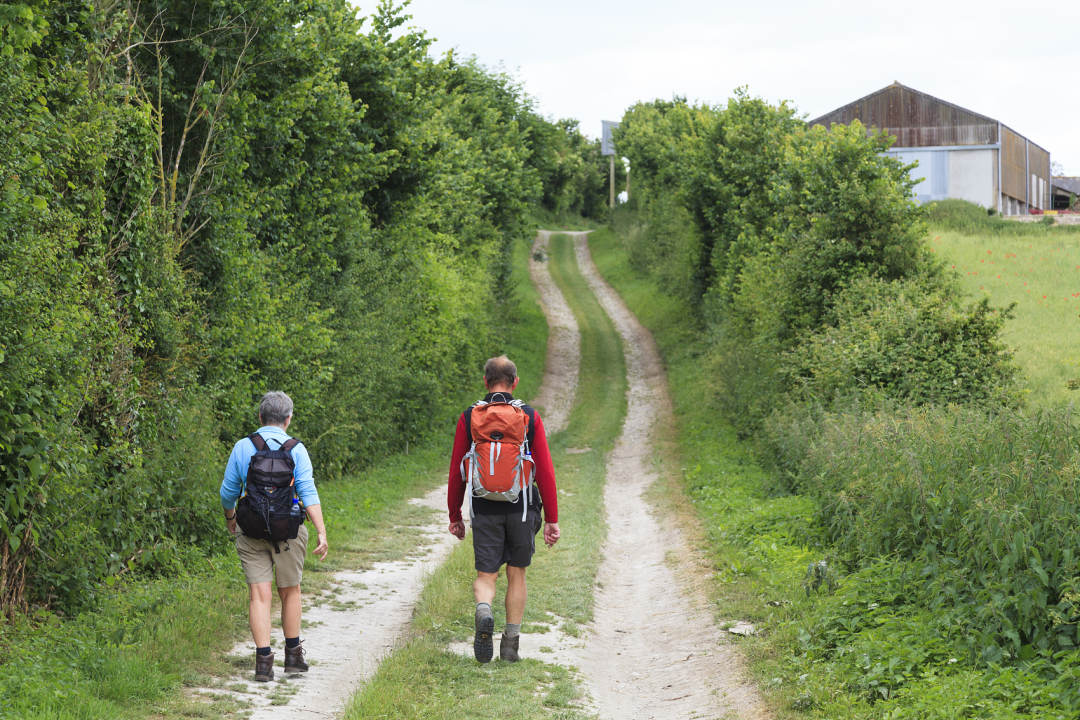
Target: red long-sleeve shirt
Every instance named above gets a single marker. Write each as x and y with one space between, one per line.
544 478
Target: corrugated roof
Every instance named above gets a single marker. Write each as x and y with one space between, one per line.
1068 184
897 85
901 86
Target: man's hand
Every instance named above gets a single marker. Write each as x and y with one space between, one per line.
551 533
230 523
314 513
321 548
457 529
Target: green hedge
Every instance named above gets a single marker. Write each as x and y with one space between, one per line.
206 201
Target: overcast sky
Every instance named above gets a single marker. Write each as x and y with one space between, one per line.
590 60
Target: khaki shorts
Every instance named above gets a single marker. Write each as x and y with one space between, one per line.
259 560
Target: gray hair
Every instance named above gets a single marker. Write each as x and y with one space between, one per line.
500 371
275 408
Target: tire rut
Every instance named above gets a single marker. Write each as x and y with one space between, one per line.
654 650
348 637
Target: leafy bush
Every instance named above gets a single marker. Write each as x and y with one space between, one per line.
251 195
982 501
908 340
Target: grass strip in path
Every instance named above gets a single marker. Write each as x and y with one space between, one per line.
424 679
754 541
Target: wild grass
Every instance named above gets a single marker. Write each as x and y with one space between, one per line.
970 219
948 537
1037 269
424 678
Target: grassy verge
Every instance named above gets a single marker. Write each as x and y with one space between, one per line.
132 656
889 640
423 678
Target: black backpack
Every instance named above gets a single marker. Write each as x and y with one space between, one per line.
267 510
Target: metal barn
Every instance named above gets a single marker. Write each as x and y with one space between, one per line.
960 154
1066 190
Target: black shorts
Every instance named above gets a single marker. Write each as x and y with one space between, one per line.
504 538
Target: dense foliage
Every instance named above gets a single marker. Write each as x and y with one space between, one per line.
882 404
799 246
203 201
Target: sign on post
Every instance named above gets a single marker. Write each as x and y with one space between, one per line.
607 144
607 147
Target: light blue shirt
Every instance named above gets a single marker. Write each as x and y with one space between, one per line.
236 469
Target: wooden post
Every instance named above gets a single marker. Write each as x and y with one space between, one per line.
611 182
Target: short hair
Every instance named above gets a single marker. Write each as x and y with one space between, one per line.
275 408
500 371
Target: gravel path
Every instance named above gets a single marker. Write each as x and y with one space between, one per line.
556 395
654 650
347 638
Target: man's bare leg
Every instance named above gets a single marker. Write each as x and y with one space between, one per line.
484 587
259 613
516 594
290 610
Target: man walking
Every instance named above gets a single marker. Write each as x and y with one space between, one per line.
502 462
263 558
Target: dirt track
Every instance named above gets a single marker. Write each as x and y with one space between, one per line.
654 650
556 395
348 638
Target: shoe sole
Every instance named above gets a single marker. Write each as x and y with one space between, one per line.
483 647
291 670
264 678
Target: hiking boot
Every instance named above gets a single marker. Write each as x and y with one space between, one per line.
485 626
508 648
294 659
264 667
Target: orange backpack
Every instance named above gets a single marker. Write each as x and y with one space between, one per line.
498 465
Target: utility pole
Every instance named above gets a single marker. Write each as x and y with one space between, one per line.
611 183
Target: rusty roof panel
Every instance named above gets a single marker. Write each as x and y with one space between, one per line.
915 118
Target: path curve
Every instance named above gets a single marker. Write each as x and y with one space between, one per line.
654 650
555 398
348 638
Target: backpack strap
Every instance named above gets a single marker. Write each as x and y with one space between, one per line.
260 444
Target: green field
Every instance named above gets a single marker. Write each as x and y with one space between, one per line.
1038 269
